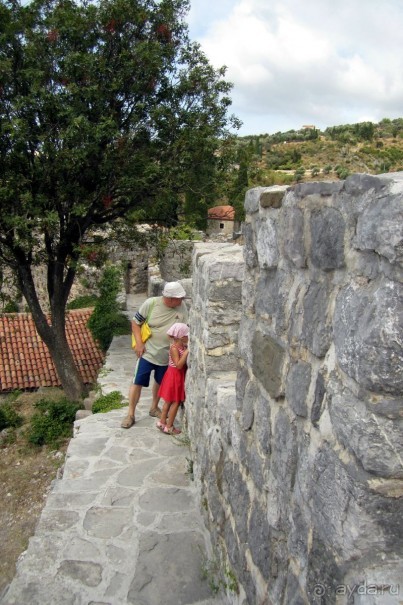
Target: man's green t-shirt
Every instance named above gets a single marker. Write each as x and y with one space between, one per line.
161 319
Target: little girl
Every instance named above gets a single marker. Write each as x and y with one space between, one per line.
172 389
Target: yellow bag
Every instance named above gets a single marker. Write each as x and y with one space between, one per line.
145 329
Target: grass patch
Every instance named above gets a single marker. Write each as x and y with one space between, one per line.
105 403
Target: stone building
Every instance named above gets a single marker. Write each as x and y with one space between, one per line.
221 220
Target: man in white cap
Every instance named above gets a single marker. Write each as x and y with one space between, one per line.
161 312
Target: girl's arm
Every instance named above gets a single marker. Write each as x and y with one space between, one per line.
179 361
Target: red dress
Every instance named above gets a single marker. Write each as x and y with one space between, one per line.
172 387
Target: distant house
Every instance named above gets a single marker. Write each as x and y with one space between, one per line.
221 219
25 361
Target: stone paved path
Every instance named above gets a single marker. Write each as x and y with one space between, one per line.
121 526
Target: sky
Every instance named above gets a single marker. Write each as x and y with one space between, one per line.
314 62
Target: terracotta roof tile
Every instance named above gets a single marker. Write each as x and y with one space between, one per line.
25 361
221 213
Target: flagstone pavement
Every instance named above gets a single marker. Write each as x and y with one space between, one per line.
121 525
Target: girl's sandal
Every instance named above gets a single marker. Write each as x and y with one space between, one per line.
171 430
160 425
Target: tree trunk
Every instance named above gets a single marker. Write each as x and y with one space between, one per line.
72 383
54 335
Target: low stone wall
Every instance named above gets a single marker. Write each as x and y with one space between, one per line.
296 421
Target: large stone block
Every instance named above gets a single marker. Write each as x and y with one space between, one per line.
220 336
375 440
341 507
229 290
245 340
283 465
223 313
250 254
327 239
236 493
272 293
252 198
226 263
256 466
266 244
226 362
248 405
262 427
316 327
273 196
268 362
259 540
292 231
380 228
368 328
359 184
317 188
296 392
319 397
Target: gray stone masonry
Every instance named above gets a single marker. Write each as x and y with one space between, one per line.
295 391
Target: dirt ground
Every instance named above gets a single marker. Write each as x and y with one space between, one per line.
26 474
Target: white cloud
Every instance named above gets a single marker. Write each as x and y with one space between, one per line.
323 62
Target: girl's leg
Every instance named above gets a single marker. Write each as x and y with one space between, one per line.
172 414
165 409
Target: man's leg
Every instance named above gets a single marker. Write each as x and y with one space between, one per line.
159 373
154 409
134 396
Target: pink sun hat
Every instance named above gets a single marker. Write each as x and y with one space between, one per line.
178 330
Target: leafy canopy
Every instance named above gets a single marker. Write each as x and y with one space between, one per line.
107 109
104 108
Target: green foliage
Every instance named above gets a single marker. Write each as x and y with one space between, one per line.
342 172
106 108
11 307
105 403
284 159
181 232
83 302
299 174
52 423
9 417
363 147
107 320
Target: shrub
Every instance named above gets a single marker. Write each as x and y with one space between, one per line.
107 320
105 403
53 422
9 417
11 307
82 302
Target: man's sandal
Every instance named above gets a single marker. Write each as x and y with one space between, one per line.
127 422
156 413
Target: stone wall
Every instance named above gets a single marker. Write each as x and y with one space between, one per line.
294 391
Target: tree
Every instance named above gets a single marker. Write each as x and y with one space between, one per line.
241 181
104 108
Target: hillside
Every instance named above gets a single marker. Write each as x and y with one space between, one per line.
311 154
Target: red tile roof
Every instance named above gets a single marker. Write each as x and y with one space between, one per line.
221 213
25 361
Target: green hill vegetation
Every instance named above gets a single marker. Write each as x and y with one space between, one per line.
312 154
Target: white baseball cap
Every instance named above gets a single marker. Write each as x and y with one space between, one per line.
173 289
